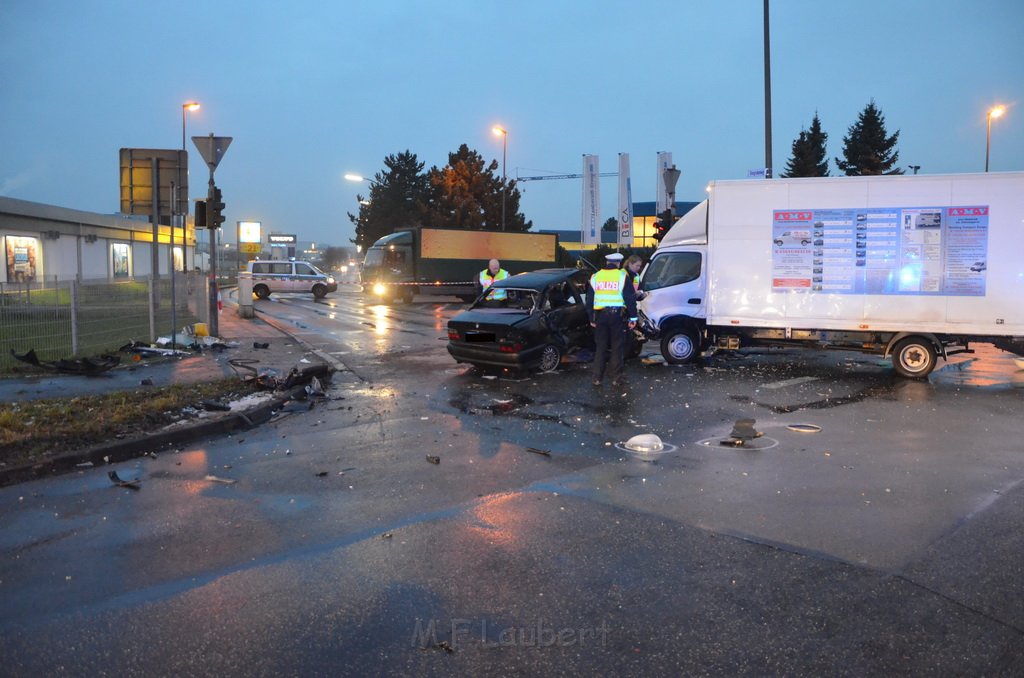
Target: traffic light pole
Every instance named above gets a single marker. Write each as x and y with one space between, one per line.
214 311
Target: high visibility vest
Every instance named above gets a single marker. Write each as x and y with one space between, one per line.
608 284
486 280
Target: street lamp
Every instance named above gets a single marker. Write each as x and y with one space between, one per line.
503 133
914 167
994 112
187 106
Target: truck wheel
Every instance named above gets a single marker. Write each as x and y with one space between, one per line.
914 357
550 358
679 346
319 291
261 291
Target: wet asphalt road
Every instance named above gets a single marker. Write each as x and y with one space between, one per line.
887 543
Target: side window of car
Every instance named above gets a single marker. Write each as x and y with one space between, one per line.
281 269
260 268
303 269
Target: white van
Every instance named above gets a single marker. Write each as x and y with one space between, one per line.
289 276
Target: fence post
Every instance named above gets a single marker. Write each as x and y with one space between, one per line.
75 299
152 309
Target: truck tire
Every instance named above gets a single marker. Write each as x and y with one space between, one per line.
319 291
680 345
261 291
914 357
550 358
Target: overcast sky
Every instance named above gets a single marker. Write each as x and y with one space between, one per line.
312 90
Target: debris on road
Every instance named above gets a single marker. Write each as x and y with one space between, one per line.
129 484
534 450
804 428
216 406
83 366
433 460
217 479
742 432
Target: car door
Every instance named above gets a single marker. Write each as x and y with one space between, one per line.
304 278
566 315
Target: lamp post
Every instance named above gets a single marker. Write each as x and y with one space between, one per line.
994 112
914 167
187 106
503 133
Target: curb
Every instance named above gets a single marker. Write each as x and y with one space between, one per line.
141 445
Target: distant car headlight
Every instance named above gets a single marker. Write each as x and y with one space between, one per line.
379 289
344 269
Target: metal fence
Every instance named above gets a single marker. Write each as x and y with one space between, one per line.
71 318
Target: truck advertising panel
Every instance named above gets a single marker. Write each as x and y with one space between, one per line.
923 251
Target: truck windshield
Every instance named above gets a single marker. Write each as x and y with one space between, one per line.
374 258
672 268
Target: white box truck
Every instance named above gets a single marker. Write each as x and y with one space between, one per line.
912 267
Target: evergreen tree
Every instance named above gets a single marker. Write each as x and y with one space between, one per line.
810 158
394 201
467 194
867 149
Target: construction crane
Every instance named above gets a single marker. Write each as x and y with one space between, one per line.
564 176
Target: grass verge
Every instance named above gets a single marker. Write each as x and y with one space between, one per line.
38 430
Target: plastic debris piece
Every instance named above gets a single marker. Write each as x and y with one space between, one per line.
258 344
217 479
321 474
804 428
84 464
433 459
535 450
130 484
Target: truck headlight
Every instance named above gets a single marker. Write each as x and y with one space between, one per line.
379 289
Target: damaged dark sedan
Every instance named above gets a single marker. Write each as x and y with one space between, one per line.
526 322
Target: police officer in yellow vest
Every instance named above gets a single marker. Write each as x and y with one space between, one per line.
493 273
611 303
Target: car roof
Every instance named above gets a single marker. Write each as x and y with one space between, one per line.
538 280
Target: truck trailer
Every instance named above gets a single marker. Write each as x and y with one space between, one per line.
448 261
907 267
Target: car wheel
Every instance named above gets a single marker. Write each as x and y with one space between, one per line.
261 291
319 291
679 346
550 358
914 357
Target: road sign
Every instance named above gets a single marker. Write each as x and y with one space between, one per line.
250 247
136 169
212 148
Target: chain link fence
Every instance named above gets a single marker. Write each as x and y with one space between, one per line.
74 319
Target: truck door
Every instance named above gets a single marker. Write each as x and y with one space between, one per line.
674 285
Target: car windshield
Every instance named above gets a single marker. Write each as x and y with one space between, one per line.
674 268
507 300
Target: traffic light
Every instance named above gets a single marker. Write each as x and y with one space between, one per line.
200 220
215 209
662 224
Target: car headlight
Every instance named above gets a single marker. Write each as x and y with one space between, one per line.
330 279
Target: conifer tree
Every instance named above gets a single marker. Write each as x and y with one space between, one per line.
810 157
866 148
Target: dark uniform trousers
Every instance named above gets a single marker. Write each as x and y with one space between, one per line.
610 339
